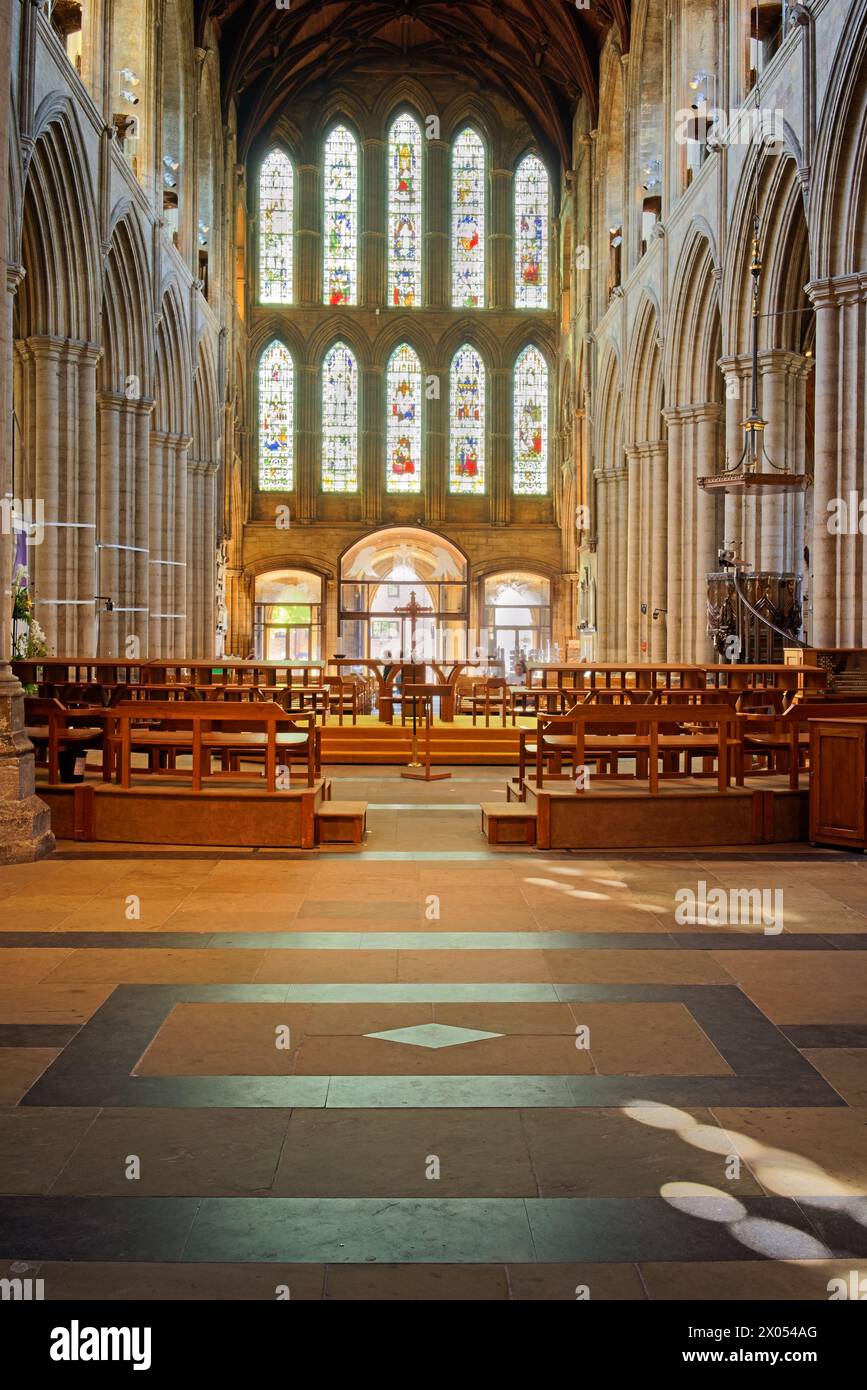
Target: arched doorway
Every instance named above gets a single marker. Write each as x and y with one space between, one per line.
518 618
288 616
379 575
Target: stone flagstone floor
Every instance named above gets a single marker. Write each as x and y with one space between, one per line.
430 1070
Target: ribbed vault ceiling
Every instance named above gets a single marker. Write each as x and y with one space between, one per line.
539 54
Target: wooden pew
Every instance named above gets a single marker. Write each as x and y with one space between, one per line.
772 735
202 728
637 731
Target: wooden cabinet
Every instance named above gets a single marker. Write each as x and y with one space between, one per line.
838 782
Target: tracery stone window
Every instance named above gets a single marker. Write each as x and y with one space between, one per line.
467 413
530 441
468 221
340 269
404 426
276 207
405 229
531 234
340 421
276 419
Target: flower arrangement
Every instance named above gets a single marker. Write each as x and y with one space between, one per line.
28 639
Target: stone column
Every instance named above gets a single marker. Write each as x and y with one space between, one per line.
839 440
620 545
707 434
308 237
736 371
499 445
201 557
602 555
374 260
633 549
122 491
658 595
437 288
25 823
674 525
372 443
168 544
501 238
436 462
307 444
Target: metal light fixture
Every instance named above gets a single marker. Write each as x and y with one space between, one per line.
755 469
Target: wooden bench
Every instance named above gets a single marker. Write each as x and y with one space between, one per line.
786 737
637 731
203 728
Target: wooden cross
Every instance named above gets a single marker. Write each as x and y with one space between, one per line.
412 610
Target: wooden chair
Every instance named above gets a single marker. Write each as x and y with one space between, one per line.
490 695
53 729
343 696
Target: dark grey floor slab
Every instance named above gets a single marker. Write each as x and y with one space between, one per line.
414 1230
37 1034
827 1034
95 1228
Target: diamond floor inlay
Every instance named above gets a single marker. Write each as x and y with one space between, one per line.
433 1035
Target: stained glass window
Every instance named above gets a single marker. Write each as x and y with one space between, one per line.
340 272
276 182
530 444
403 434
339 421
405 230
467 433
531 234
276 419
468 221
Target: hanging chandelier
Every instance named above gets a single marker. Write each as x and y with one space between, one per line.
755 470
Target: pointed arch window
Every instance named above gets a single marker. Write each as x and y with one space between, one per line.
532 198
403 430
339 421
276 214
468 221
276 419
340 269
467 430
405 231
530 441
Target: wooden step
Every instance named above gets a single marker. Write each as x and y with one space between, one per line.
508 823
341 822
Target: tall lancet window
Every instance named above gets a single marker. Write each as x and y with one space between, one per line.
403 433
339 421
468 221
467 432
405 231
530 443
276 208
340 269
276 419
531 234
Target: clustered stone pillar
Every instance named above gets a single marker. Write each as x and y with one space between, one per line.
57 380
838 568
124 433
693 452
499 446
25 824
611 508
501 239
168 544
646 560
201 572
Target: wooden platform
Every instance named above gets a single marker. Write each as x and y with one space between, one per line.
692 814
173 814
452 745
